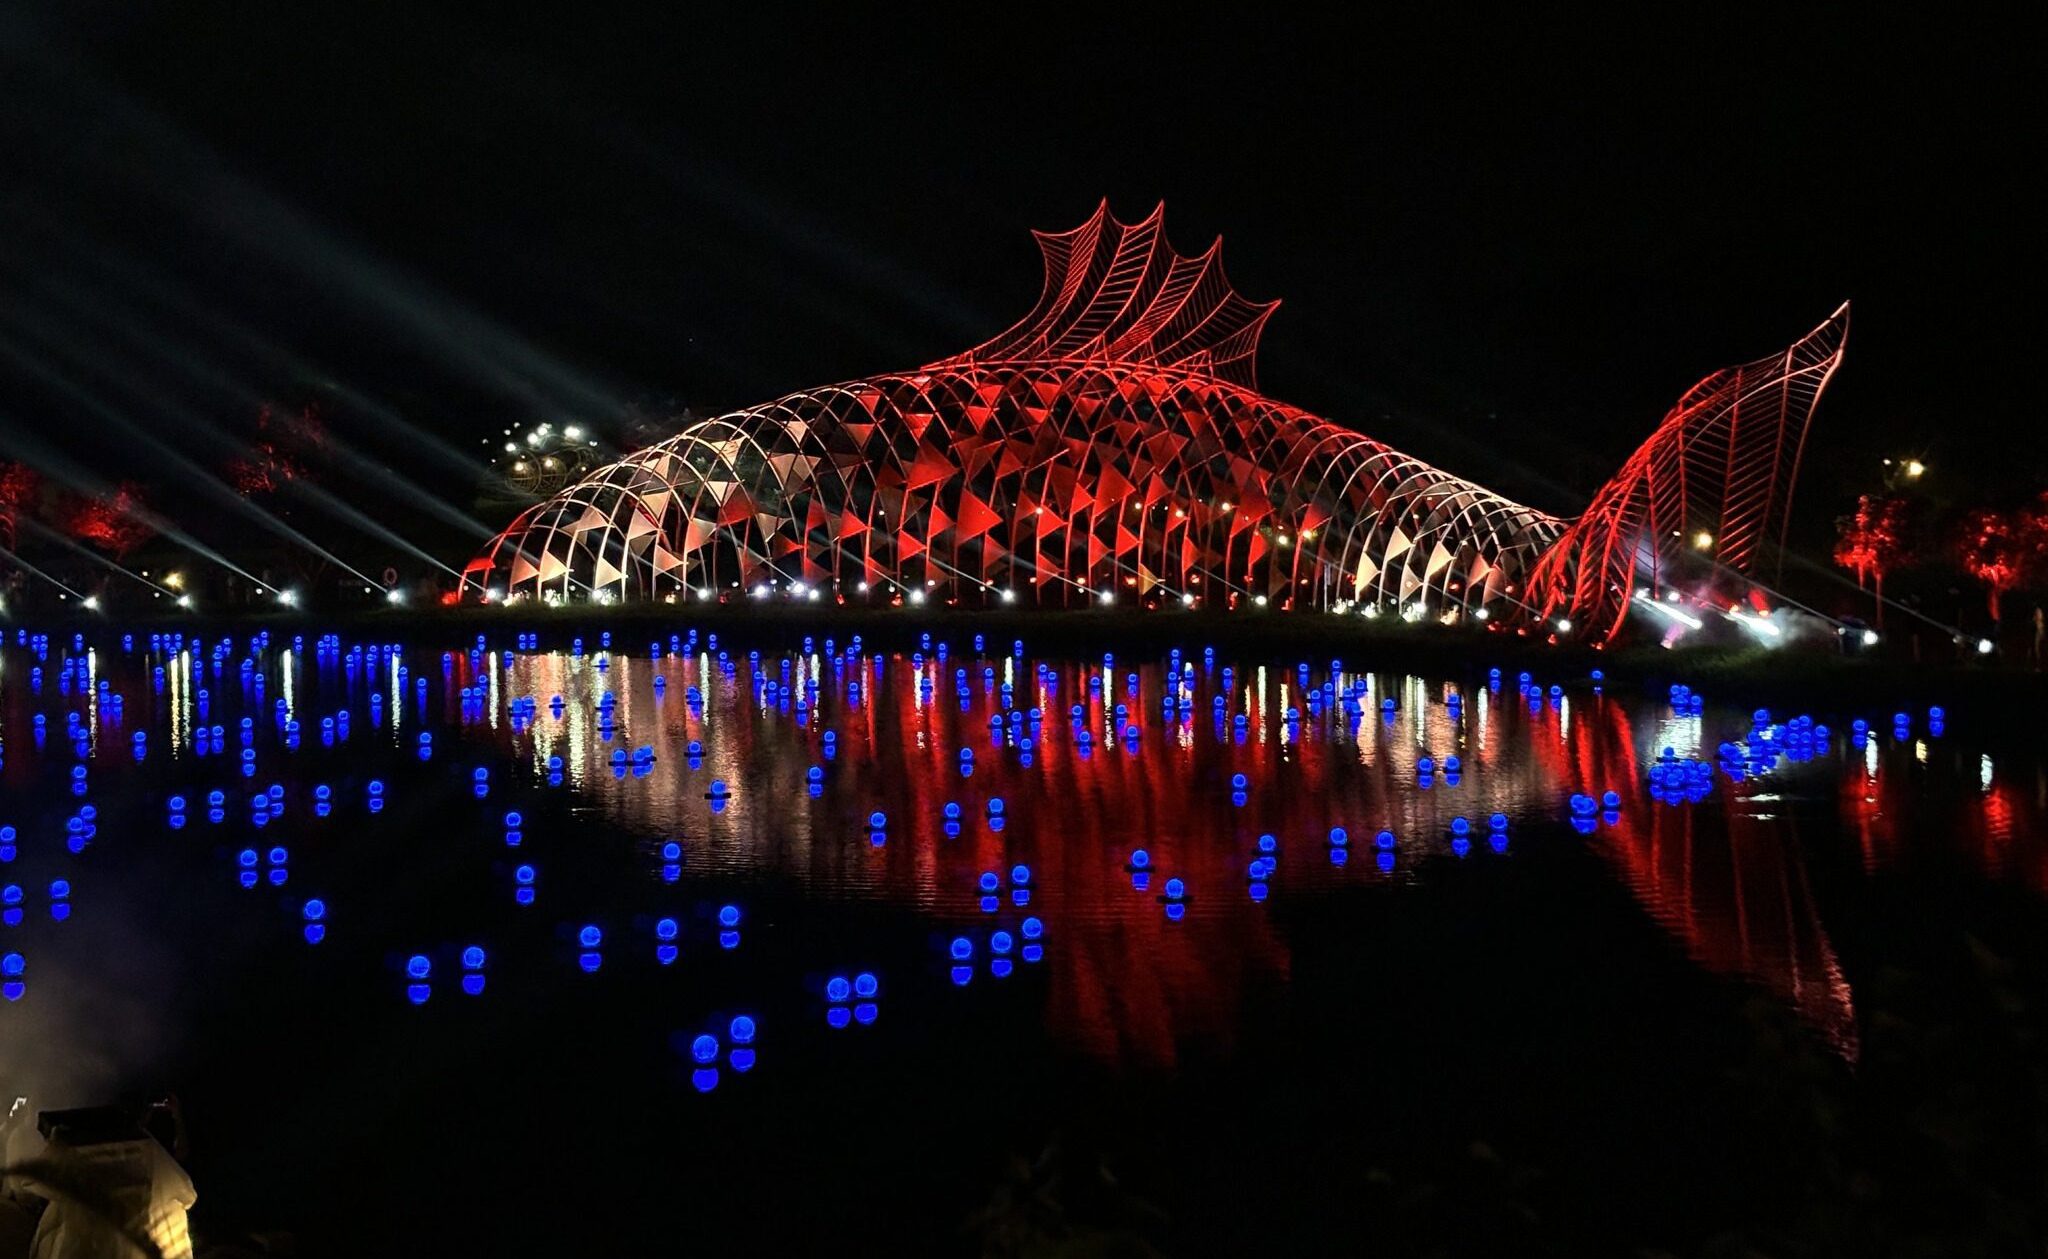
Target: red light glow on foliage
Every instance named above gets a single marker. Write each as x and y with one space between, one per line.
2004 548
1871 542
18 486
277 454
110 521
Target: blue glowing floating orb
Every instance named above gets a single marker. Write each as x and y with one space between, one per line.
704 1048
963 948
1339 837
665 929
1498 822
473 958
419 966
837 989
590 937
741 1030
315 910
729 916
1176 889
1001 942
13 964
1385 839
865 985
878 820
1140 859
990 881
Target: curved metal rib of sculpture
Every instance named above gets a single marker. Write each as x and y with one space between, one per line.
1114 441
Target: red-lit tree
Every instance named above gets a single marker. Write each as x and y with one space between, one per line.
1871 541
18 484
280 451
111 521
1999 549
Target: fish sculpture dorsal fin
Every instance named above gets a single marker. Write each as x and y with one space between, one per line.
1118 293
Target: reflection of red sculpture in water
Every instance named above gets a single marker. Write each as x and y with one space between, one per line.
1993 811
1122 982
1730 885
1738 900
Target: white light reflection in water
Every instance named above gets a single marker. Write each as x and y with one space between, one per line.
1723 876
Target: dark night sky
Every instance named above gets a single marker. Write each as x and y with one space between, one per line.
1506 249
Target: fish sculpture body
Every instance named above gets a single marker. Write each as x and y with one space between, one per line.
1113 444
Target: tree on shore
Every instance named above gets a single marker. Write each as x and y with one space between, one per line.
1871 541
18 487
2003 549
112 521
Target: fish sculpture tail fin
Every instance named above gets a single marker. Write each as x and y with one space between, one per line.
1714 482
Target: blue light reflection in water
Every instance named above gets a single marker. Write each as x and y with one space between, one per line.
1102 848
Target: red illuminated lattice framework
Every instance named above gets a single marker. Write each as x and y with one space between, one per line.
1113 441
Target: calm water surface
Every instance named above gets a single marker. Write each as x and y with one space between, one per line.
397 1013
